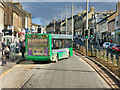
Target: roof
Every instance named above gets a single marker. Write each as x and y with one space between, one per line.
111 20
37 25
106 18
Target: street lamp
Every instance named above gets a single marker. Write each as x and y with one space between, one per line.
86 43
66 19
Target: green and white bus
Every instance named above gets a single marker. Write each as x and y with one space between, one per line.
48 47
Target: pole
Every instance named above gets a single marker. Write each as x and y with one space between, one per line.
72 22
86 43
54 24
61 21
66 21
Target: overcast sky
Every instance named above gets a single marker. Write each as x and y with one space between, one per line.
45 12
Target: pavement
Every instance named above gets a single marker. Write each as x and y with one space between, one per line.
9 63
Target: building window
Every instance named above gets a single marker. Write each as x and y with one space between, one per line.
39 30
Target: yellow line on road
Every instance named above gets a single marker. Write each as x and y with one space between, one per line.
5 73
8 70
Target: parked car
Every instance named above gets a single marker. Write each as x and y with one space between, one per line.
82 39
110 47
106 44
75 37
116 48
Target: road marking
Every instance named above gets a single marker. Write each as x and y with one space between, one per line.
5 73
28 67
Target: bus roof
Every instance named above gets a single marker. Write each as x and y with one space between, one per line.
61 36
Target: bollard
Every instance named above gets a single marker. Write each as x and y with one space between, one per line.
105 56
100 54
77 46
118 63
114 60
97 54
84 51
109 57
93 52
80 49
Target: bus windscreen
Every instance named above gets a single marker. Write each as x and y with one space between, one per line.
37 42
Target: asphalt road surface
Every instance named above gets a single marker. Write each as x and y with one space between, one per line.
68 73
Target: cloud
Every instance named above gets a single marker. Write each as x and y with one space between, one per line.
45 12
64 0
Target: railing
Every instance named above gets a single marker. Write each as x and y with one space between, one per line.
100 54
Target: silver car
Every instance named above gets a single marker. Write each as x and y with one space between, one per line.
106 44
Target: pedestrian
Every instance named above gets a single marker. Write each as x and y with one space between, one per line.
9 45
7 51
22 48
3 47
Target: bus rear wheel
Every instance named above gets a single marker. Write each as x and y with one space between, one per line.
68 54
56 58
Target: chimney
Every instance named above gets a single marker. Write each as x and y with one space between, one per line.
84 12
92 9
17 4
20 6
79 14
118 6
111 11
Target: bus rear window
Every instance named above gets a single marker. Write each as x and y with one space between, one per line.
37 42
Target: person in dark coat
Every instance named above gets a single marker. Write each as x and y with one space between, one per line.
22 46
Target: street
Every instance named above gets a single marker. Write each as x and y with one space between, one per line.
60 44
68 73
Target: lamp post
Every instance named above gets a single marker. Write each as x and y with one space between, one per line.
72 20
86 43
66 20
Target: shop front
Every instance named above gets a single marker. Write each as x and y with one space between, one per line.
113 37
117 36
7 38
